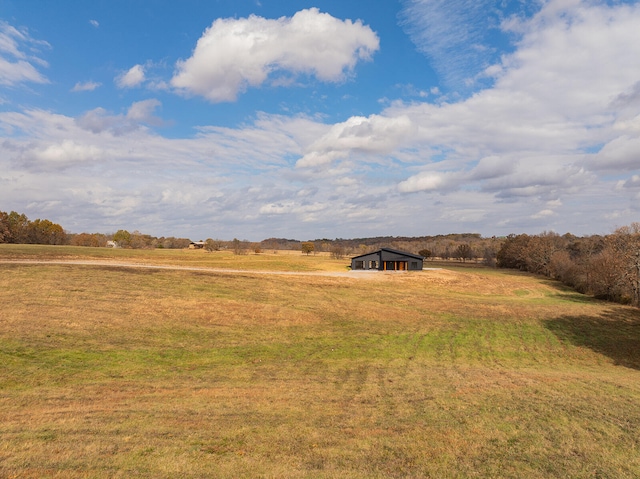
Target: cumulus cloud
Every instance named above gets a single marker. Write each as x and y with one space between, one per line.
142 111
131 78
421 182
234 54
565 90
86 86
375 135
550 145
67 151
56 155
620 154
16 65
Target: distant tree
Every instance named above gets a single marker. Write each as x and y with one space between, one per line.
174 243
5 234
605 280
425 253
513 253
45 232
622 250
463 252
85 239
122 238
540 250
489 257
212 245
18 228
337 251
239 247
565 269
307 247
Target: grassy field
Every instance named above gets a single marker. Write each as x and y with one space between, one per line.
108 371
272 261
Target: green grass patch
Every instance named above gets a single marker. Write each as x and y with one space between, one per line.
108 371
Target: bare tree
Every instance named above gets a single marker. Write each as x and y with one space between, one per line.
337 251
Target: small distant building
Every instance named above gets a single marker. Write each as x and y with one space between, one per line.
112 244
387 259
196 245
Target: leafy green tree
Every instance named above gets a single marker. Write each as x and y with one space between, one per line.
123 238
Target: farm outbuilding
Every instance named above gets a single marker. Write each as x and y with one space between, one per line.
387 259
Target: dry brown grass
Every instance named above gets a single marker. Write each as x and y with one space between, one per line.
123 372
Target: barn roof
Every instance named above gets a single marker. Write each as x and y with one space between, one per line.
390 250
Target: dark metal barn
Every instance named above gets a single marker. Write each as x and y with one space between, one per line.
387 259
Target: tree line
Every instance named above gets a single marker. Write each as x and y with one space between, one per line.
17 228
607 267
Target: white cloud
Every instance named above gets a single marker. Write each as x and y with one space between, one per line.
375 135
558 94
67 151
492 167
94 23
633 182
456 36
421 182
131 78
291 207
234 54
99 120
542 214
17 66
620 154
142 111
86 86
551 145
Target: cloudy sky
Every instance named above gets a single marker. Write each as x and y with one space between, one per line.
325 119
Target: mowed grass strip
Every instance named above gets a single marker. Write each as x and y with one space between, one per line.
272 260
120 372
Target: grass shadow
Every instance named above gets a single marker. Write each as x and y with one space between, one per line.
568 293
615 333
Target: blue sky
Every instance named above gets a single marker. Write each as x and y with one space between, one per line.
298 119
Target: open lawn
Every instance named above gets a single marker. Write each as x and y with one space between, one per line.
111 371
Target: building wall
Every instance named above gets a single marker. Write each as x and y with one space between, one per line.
386 260
369 261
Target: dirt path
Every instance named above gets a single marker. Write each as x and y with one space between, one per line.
336 274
